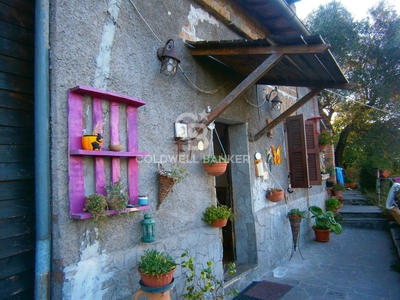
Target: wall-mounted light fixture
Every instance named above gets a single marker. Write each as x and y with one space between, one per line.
169 58
273 97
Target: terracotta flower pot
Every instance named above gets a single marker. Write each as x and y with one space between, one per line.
219 223
153 281
351 185
216 169
322 148
322 235
276 196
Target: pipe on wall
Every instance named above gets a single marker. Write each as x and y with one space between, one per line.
42 151
289 15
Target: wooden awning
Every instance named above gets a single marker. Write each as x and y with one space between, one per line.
307 62
281 61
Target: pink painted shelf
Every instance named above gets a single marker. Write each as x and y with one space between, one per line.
77 154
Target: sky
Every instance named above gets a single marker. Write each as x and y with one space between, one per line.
357 8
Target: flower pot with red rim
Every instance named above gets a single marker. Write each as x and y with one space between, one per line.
154 281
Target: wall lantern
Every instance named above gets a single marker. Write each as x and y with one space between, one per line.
169 58
148 229
273 97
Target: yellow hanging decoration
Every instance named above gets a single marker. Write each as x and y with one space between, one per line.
276 155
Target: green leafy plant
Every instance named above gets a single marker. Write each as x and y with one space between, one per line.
325 137
203 285
96 204
214 213
211 159
177 172
338 187
117 196
296 212
330 170
325 220
351 175
156 263
332 204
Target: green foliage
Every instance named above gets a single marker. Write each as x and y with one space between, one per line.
325 220
214 213
325 137
117 196
156 263
177 172
211 159
332 204
338 187
366 120
296 212
368 177
96 204
330 170
203 285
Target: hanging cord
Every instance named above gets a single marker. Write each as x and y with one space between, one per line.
220 143
179 66
275 179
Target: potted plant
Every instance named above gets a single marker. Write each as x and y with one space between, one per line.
202 283
325 139
324 223
275 194
338 189
167 179
156 268
215 165
117 197
96 204
218 216
333 205
351 177
295 215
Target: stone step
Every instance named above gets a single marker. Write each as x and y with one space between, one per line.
363 216
366 223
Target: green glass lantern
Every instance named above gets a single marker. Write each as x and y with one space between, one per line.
148 229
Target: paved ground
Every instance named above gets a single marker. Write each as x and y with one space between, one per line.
357 264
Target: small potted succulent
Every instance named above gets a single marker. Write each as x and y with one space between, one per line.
218 216
215 165
324 223
96 204
156 268
117 196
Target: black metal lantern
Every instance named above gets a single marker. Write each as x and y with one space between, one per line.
148 229
273 97
169 58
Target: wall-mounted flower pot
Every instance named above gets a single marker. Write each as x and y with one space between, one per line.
216 169
219 223
87 141
154 281
276 195
322 148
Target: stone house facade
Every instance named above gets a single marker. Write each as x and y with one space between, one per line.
109 47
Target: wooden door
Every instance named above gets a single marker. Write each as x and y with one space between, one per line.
17 206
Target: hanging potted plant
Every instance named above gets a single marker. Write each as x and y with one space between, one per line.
325 139
156 268
324 223
275 194
215 165
167 179
218 216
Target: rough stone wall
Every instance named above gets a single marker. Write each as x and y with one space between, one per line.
107 44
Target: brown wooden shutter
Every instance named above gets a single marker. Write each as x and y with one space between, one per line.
314 173
297 152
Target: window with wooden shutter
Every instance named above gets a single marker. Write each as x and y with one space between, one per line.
297 152
314 172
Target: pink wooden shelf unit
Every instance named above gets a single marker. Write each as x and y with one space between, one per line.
77 154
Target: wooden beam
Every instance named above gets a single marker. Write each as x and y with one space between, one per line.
266 50
287 113
250 80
